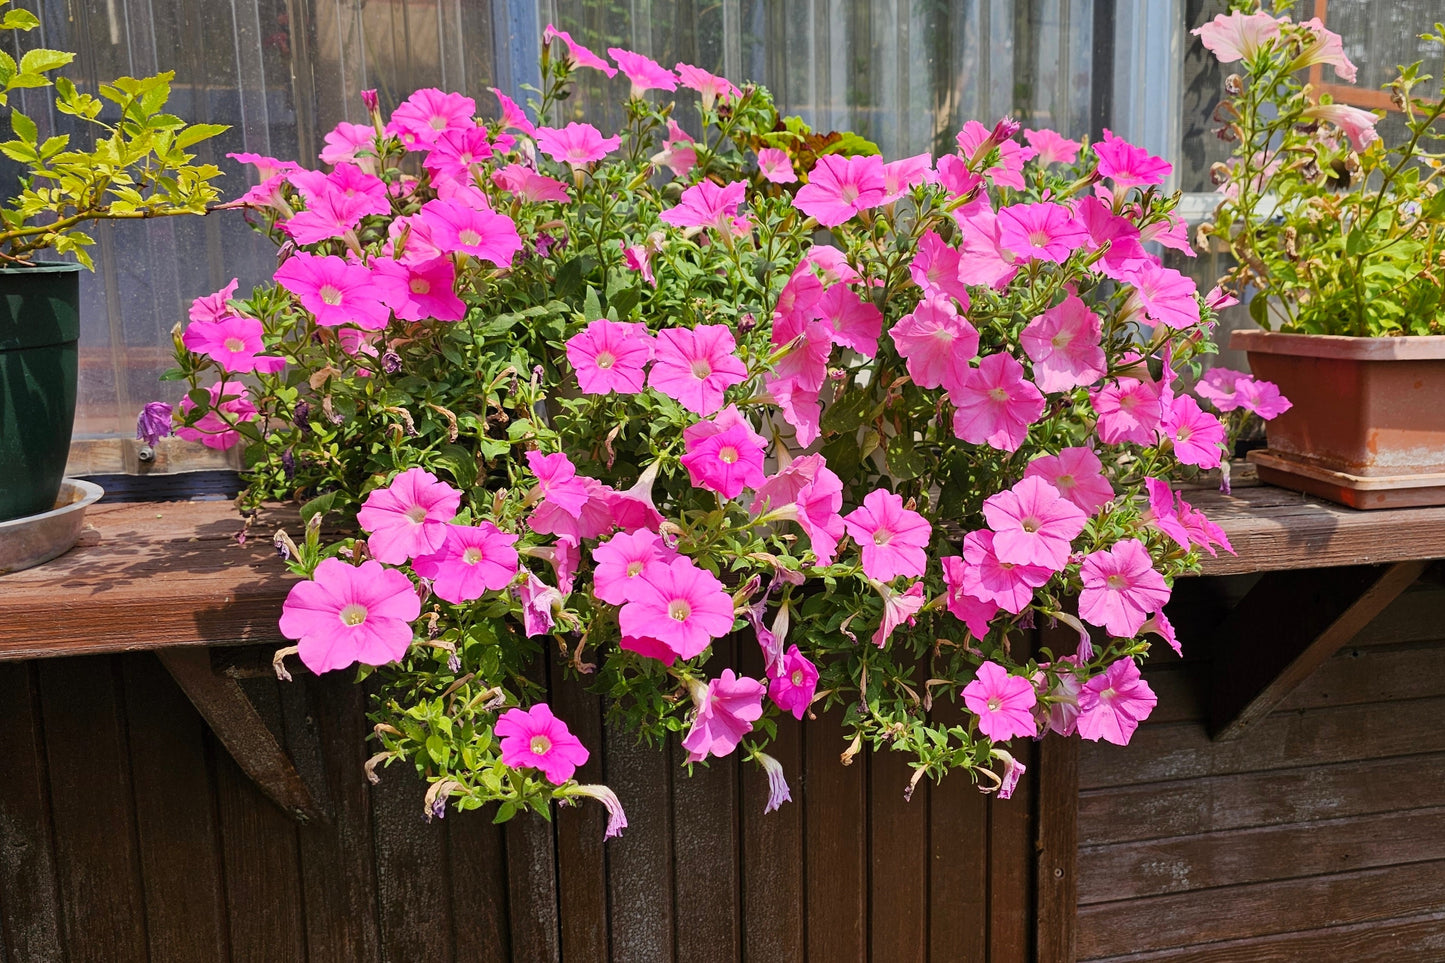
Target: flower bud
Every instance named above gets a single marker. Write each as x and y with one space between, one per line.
1005 129
369 100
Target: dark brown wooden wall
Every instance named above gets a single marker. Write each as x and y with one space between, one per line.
127 833
1320 835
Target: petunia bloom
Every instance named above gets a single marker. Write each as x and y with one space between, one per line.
987 578
620 562
230 405
840 187
937 345
775 166
460 229
1128 410
1078 475
346 614
705 204
1112 705
408 517
1237 35
725 461
1004 703
972 612
1064 345
695 366
898 608
610 356
576 144
529 185
536 739
1197 436
1052 147
711 87
578 54
420 119
996 404
1129 166
1324 47
1042 232
893 539
233 342
642 71
792 682
682 606
335 291
472 560
1121 589
418 290
1033 524
817 493
726 711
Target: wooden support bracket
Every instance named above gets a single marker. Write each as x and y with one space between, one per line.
1285 627
235 721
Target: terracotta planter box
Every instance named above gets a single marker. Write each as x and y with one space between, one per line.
1368 424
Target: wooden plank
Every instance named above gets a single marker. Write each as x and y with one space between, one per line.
1189 863
836 851
958 868
1259 909
1266 798
581 859
532 889
479 888
898 861
1056 877
707 878
179 842
97 865
1285 628
1282 741
238 726
29 894
1011 864
411 869
773 859
639 862
1390 941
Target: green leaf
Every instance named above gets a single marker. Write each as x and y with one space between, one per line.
568 284
319 505
848 412
19 19
457 462
903 459
40 60
505 812
196 133
24 127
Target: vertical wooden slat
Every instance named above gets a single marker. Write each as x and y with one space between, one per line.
898 861
1011 863
1056 879
532 889
175 816
29 896
639 863
581 858
958 852
411 869
94 816
835 812
479 888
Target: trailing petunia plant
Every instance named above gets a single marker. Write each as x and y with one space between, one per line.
1337 231
727 424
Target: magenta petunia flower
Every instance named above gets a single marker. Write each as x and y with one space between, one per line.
536 739
935 270
725 461
1124 254
418 290
1033 524
855 323
726 711
1129 166
1040 232
1324 47
214 307
529 185
1163 294
610 356
1121 588
840 187
644 72
810 485
335 291
266 167
420 119
634 508
1263 398
346 614
1064 345
986 578
578 54
459 228
793 682
1007 171
679 151
1112 705
1128 410
996 404
230 404
1003 703
696 366
707 205
892 539
1077 474
348 143
621 560
1052 147
513 117
558 482
1197 436
638 259
682 606
898 608
776 166
408 517
576 144
539 600
972 612
1237 35
473 559
936 344
901 176
457 154
593 519
712 87
234 342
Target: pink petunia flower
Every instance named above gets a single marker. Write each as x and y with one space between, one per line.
1052 147
513 117
348 143
792 683
898 608
1064 345
936 344
458 154
682 606
418 290
1163 294
266 167
1007 171
679 151
892 539
855 323
724 455
1077 474
408 517
1003 703
901 176
214 307
536 739
461 229
644 73
726 710
988 579
638 258
705 204
1128 410
578 54
1263 398
972 612
1112 705
1324 47
234 342
1040 232
539 601
557 481
935 269
696 366
472 560
576 144
1237 35
621 560
840 187
420 119
346 614
335 291
1197 436
230 404
530 185
609 356
711 87
1033 524
1124 250
1121 589
633 509
775 166
996 404
810 485
1129 166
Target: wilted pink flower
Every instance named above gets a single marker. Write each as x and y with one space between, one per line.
1237 35
418 290
230 405
473 559
1007 171
1063 343
538 601
638 259
1013 771
936 344
682 606
776 166
726 711
1128 410
536 739
696 366
1324 47
461 229
1121 588
972 612
610 356
234 342
777 785
1181 521
1078 475
996 404
1040 232
1063 691
576 144
346 614
1003 703
898 608
1033 524
153 423
408 517
578 54
840 187
935 269
1197 436
1052 147
1129 166
1112 705
420 119
620 562
616 818
893 539
808 483
705 204
988 579
711 87
335 291
792 684
529 185
644 72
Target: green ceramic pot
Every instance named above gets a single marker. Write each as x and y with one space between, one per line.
39 329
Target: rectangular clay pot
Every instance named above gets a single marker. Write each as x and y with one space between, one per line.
1368 424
